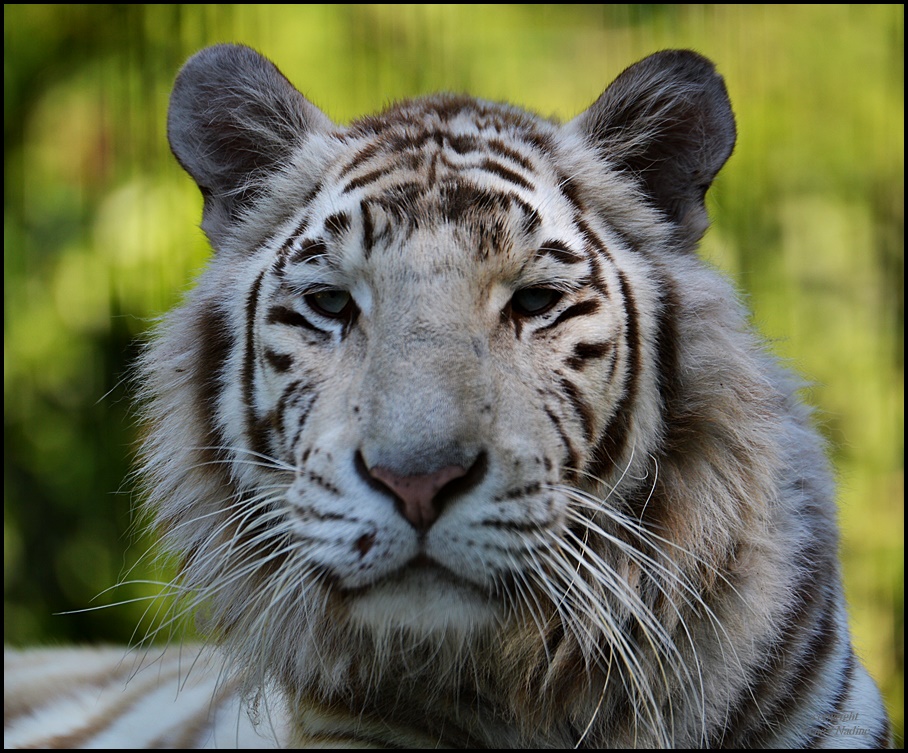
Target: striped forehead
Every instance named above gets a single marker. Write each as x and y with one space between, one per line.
442 139
481 171
424 133
452 220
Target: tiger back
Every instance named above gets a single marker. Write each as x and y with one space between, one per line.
460 444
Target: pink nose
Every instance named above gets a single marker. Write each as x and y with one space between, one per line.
417 494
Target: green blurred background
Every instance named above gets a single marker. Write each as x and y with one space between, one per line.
100 237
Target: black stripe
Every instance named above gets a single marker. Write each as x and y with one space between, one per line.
583 409
572 458
592 238
584 308
291 393
524 526
356 725
215 346
682 423
501 171
367 178
584 352
542 142
363 155
449 107
503 150
368 229
831 719
793 658
310 249
597 280
462 144
804 674
507 317
287 246
377 231
616 435
571 191
325 484
401 201
560 251
410 141
676 418
256 430
338 223
598 249
519 493
304 412
460 200
531 218
281 362
883 738
782 682
293 318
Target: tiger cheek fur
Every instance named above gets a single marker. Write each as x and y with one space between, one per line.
457 434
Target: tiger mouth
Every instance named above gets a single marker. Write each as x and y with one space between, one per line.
423 571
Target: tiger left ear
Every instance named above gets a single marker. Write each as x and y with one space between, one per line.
668 123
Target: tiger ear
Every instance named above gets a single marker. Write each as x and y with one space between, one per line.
234 119
666 121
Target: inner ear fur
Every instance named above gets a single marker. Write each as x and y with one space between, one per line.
666 121
234 119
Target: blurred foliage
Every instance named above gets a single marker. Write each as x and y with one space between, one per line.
99 237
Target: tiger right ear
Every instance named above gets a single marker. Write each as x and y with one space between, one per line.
234 119
668 123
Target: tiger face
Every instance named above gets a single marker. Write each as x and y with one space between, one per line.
433 359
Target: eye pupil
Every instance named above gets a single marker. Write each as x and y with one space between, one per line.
534 301
331 303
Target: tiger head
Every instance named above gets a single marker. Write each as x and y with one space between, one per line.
454 385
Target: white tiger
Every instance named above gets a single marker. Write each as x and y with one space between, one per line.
460 445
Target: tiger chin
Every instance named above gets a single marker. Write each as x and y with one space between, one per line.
460 444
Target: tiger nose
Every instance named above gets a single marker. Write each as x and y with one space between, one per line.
420 498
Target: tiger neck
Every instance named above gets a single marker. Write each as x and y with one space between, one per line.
404 719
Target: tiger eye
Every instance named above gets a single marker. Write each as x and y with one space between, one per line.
332 303
535 301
